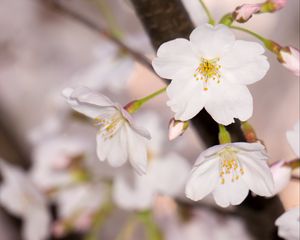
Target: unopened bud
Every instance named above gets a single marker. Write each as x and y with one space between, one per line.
177 128
245 12
248 132
289 57
273 5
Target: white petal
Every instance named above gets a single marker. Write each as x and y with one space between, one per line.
257 174
229 101
230 193
212 41
186 98
131 196
203 178
36 224
288 224
113 149
137 152
89 103
175 59
168 175
293 138
244 63
281 175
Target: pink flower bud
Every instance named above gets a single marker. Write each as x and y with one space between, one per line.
277 4
177 128
289 57
244 13
281 175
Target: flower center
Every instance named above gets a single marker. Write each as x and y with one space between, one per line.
208 69
230 165
109 126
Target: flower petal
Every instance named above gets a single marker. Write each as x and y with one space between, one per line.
137 152
175 59
113 149
257 174
89 103
188 101
136 197
244 63
228 101
230 193
203 178
212 41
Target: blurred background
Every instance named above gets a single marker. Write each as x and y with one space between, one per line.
43 50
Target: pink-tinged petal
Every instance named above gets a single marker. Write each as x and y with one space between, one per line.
281 175
289 224
289 57
175 59
89 103
230 193
276 5
257 173
244 13
177 128
203 179
212 41
228 101
244 63
137 151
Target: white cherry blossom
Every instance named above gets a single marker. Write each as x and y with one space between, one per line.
294 139
229 171
211 71
21 198
166 176
289 224
118 139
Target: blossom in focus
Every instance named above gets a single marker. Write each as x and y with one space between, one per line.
289 224
118 139
289 57
165 176
211 71
244 13
21 198
293 139
229 171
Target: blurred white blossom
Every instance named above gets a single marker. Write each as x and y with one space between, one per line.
21 197
118 139
211 71
293 138
165 176
228 171
289 224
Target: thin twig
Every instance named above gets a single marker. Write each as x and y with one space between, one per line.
104 32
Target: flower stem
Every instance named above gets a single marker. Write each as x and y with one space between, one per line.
109 18
224 135
270 45
135 105
152 230
209 15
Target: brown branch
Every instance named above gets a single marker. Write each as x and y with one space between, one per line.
55 4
